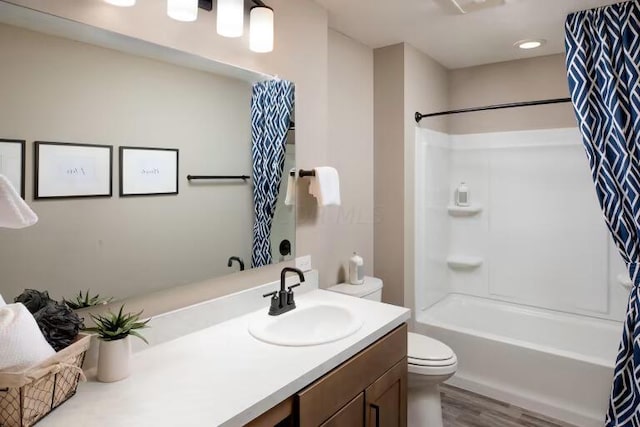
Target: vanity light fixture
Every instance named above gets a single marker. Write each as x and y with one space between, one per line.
183 10
230 23
121 3
261 29
530 44
230 18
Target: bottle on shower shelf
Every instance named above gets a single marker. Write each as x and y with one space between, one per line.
462 195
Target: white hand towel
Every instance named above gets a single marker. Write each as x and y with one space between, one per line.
22 345
14 212
2 303
290 199
325 186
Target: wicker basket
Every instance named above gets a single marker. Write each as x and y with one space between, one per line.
27 397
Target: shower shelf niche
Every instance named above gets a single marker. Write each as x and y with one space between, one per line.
464 262
460 211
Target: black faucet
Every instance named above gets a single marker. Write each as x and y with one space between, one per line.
238 260
282 301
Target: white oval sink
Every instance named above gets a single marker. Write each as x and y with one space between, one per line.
314 325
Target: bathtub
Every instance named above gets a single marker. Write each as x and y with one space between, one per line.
557 364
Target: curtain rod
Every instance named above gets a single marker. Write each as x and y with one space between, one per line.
420 116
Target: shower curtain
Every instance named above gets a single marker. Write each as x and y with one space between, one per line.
603 68
271 107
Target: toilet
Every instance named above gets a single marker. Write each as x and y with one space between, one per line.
430 362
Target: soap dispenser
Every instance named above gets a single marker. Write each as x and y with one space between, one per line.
462 195
356 270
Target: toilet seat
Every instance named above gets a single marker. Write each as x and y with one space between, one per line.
433 371
428 352
418 362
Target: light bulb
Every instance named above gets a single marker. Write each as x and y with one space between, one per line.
261 29
183 10
230 18
530 44
121 3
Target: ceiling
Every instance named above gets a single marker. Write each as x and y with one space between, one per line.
453 39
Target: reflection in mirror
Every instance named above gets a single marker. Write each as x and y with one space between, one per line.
61 90
271 108
282 237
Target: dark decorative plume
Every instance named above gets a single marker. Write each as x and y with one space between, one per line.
33 300
59 324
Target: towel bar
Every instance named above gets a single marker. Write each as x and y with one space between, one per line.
197 177
303 173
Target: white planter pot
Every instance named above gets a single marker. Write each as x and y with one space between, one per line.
114 360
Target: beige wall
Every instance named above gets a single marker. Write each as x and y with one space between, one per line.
350 150
388 170
300 55
513 81
76 92
406 81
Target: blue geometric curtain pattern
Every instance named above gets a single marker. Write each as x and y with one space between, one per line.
603 68
271 107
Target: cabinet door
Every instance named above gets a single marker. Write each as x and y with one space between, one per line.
325 397
386 399
352 415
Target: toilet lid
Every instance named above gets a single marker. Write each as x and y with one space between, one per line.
423 350
370 285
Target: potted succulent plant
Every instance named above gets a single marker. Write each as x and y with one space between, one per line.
114 352
86 300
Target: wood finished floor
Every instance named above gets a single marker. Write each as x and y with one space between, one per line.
461 408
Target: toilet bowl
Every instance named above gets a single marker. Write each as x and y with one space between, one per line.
430 362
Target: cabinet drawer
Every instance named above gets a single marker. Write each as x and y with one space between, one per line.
351 415
322 399
275 416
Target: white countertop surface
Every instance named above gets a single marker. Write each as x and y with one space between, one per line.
221 375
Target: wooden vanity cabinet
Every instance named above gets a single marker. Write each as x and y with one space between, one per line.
373 382
368 390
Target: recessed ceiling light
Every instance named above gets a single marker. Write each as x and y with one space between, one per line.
530 43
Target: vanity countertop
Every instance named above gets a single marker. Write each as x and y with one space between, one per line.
221 375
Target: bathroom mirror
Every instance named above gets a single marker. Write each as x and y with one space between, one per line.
62 81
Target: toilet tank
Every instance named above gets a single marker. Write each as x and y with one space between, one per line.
371 289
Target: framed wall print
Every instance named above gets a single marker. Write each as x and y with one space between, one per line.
12 162
66 170
146 171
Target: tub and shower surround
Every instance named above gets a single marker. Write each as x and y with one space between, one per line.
523 284
534 225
